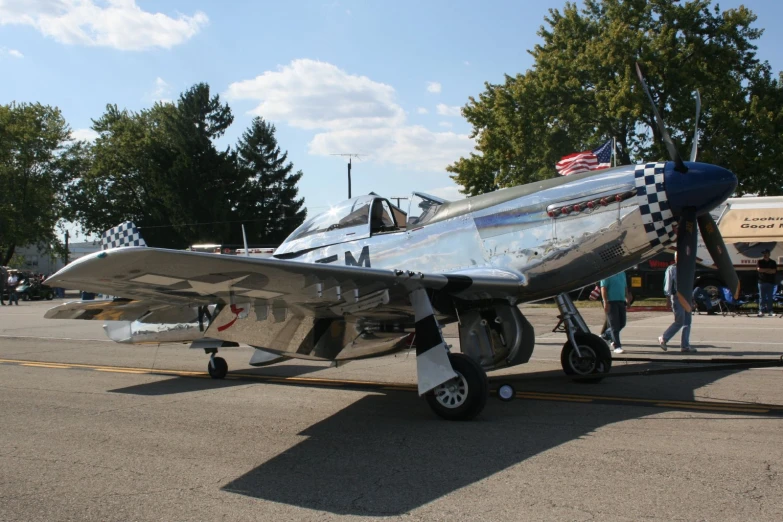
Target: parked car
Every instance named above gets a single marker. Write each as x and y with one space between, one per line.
32 289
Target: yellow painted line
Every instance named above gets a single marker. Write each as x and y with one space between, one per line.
116 370
529 395
711 407
540 397
45 365
649 401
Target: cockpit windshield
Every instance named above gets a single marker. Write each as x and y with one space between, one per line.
349 214
423 208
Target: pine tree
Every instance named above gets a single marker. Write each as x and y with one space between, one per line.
270 195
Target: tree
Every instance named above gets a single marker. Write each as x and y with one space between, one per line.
161 169
270 193
37 161
582 90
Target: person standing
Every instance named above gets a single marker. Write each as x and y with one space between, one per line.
13 280
682 317
3 276
615 293
767 270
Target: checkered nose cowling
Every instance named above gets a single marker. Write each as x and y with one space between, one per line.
656 214
123 235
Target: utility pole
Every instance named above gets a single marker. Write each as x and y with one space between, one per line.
350 155
398 200
65 255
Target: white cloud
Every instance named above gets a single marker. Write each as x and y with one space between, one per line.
466 62
450 193
446 110
120 24
317 95
84 135
433 87
162 91
445 124
414 147
349 112
422 110
13 53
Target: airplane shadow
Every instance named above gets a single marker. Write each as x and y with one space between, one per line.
193 384
388 454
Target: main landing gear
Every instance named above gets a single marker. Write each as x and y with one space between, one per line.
585 355
464 396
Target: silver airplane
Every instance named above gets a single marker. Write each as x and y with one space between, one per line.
358 280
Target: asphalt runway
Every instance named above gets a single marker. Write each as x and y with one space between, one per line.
93 430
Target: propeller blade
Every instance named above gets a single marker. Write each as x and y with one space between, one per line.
695 148
686 257
679 166
716 246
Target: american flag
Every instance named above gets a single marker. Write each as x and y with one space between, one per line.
595 159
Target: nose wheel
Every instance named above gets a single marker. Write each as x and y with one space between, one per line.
464 396
217 367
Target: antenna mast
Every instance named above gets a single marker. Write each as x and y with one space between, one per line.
350 155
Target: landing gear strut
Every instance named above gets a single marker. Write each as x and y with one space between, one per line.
585 355
454 384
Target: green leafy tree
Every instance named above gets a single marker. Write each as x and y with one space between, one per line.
37 161
271 189
161 169
583 90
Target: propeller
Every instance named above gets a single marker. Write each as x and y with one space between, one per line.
695 148
679 166
689 222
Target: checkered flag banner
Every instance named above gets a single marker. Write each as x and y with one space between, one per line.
123 235
654 205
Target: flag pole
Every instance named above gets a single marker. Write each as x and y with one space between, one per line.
614 151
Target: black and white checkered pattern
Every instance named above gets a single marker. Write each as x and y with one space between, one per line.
125 234
653 203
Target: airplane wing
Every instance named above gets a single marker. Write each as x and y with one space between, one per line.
188 279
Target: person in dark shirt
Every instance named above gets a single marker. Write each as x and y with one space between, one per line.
767 270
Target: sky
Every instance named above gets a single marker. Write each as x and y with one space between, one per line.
385 80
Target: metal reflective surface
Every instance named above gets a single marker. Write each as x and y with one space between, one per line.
341 292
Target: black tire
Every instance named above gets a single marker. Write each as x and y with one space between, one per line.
220 370
25 297
596 358
447 401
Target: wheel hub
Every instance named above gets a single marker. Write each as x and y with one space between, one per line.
586 364
453 393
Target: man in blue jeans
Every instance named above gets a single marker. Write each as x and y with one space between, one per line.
767 270
615 293
682 318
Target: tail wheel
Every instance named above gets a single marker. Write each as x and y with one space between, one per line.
463 397
594 358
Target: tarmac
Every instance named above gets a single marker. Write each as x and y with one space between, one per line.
93 430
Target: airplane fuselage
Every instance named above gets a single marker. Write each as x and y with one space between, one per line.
534 231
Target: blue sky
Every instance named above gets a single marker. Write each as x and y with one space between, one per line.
383 79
